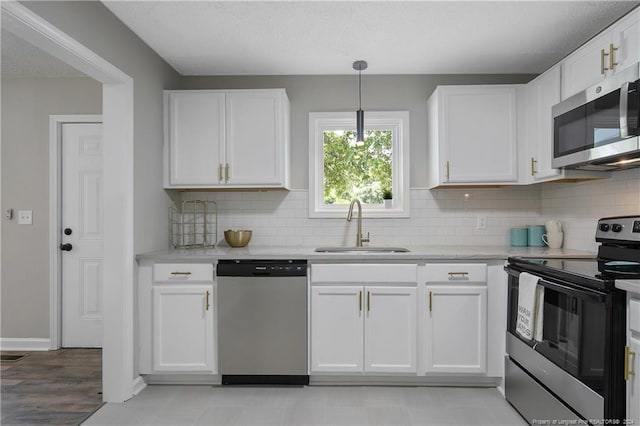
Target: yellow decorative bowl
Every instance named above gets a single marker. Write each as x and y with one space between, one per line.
237 238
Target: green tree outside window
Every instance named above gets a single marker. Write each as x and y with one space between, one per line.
354 170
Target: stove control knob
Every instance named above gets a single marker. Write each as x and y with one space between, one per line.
604 227
616 227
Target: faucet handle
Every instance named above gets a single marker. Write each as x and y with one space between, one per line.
365 240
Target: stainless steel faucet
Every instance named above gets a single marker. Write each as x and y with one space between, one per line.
359 238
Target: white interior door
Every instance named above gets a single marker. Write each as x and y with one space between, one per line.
82 234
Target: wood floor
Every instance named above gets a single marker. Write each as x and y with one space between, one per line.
61 387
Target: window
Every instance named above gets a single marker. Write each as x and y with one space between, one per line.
341 169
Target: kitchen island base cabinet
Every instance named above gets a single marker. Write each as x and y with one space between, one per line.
183 328
456 329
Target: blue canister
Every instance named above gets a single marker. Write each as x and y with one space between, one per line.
534 235
519 237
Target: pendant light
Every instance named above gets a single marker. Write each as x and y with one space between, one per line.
359 66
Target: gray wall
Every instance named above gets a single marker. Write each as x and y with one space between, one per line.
340 93
26 106
93 25
25 295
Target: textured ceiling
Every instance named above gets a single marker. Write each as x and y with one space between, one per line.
21 59
395 37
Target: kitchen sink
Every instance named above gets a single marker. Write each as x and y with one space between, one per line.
362 250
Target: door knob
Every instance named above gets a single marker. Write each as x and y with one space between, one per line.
66 247
67 231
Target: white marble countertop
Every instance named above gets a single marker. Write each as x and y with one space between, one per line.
423 253
629 285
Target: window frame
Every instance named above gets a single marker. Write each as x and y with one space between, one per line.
398 123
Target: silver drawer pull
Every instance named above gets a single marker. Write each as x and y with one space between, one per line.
458 274
181 273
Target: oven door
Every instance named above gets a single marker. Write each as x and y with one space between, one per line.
574 330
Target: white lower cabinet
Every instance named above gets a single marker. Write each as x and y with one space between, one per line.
632 362
176 318
183 333
633 383
363 318
337 331
390 330
363 329
456 318
456 326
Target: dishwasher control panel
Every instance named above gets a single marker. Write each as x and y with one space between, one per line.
266 268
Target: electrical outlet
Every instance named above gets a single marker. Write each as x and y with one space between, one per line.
25 217
481 222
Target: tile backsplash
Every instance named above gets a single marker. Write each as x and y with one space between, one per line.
438 217
580 205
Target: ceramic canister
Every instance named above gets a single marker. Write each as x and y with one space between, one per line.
519 237
534 235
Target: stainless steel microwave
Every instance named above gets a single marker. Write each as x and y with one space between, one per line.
598 129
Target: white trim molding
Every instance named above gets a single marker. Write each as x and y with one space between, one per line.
138 385
55 194
119 261
24 344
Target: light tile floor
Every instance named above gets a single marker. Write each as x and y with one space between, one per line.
312 405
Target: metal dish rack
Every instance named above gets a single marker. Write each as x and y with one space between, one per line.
193 224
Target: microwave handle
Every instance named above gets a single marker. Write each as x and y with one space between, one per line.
624 110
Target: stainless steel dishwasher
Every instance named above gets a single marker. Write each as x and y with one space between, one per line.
262 321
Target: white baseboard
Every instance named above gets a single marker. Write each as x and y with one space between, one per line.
138 385
24 344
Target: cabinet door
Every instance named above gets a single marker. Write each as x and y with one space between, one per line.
626 38
255 138
478 134
195 131
543 93
390 329
183 329
456 329
585 67
337 328
633 384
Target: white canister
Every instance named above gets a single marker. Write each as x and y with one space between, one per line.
553 226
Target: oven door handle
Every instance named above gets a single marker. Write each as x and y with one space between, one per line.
574 291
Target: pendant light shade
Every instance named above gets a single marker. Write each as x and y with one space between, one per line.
359 66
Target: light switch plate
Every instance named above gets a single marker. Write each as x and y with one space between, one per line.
25 217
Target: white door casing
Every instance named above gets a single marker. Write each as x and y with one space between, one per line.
119 381
82 215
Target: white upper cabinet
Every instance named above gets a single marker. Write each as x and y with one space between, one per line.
194 127
256 127
611 51
472 132
226 139
536 142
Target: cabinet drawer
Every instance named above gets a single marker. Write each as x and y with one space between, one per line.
634 315
457 272
167 272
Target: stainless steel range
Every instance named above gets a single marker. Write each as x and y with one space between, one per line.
573 368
